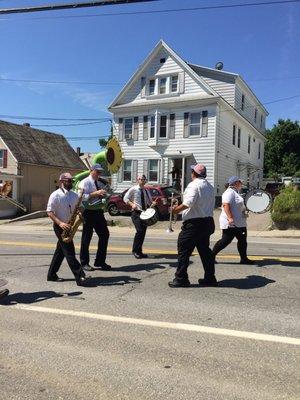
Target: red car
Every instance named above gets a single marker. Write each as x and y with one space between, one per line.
162 195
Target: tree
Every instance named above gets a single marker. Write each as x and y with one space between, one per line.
103 141
282 151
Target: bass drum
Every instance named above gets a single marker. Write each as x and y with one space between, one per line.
149 217
258 201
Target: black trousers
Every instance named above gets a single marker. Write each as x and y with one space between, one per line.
195 233
64 250
94 220
141 229
228 235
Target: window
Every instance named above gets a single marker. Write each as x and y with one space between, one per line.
204 123
127 170
261 121
151 87
128 128
195 124
172 126
255 115
162 85
163 126
239 138
174 83
259 150
233 134
243 102
249 144
153 170
1 158
152 126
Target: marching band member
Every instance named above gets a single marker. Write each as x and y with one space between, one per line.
233 220
139 198
61 205
198 224
94 220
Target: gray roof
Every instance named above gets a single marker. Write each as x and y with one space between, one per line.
33 146
225 76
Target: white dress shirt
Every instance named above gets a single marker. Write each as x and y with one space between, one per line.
62 203
199 197
89 186
134 195
237 207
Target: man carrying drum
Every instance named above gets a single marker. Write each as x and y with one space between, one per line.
138 198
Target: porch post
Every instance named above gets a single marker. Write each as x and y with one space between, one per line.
183 173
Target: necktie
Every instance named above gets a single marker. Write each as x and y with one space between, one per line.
143 199
96 184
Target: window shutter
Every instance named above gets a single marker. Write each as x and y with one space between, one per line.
204 124
143 87
172 127
145 168
136 128
121 129
186 124
145 127
134 170
181 81
120 174
4 158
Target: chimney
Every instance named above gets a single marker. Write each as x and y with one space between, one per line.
78 151
27 124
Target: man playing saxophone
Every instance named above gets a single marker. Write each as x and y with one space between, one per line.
61 206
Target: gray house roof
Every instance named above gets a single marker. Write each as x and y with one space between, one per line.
33 146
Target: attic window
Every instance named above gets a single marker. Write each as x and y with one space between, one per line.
162 60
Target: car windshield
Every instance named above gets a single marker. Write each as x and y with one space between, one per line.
167 191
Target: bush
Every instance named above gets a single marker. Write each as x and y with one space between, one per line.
286 209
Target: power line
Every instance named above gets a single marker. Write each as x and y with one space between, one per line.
75 124
54 119
170 10
53 7
59 82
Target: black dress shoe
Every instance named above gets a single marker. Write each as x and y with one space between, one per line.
104 267
209 283
175 283
87 267
144 255
247 261
3 293
54 278
83 281
138 255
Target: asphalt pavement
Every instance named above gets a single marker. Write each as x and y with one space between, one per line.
130 336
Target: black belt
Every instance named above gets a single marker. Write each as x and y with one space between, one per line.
195 220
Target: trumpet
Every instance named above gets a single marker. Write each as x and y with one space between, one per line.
173 218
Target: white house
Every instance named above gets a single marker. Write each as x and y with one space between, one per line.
173 113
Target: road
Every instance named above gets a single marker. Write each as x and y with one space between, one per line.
130 336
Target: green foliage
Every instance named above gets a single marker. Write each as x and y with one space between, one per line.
286 208
282 151
103 142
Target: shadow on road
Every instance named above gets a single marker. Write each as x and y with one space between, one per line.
270 261
35 297
250 282
143 267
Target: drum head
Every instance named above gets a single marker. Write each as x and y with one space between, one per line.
149 213
258 201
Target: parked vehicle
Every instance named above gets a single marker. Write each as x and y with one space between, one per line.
273 188
162 195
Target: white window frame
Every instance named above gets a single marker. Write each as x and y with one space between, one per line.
152 126
131 164
171 83
149 170
131 134
160 117
1 158
190 123
154 91
166 85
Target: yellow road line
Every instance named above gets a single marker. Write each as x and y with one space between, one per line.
118 249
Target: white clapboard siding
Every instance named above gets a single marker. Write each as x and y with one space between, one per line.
224 89
228 155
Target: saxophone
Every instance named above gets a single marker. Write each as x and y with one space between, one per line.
75 220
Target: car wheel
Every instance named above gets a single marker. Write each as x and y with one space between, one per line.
113 210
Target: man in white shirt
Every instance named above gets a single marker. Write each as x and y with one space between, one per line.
139 199
60 207
198 224
93 215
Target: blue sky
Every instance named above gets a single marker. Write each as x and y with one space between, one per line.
257 42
